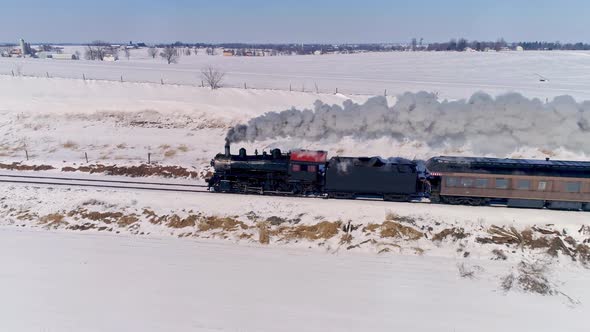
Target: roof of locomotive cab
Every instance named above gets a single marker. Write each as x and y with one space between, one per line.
373 160
540 167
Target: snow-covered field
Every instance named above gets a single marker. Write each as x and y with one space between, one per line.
87 271
119 260
452 75
54 281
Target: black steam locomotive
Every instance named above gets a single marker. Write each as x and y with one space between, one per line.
303 172
553 184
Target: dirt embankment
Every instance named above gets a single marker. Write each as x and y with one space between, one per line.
21 167
142 170
135 171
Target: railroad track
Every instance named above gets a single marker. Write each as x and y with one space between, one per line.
100 183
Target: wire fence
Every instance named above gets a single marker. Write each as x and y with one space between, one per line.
201 83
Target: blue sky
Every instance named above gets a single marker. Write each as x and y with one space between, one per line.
301 21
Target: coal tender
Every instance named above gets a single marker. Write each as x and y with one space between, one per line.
392 179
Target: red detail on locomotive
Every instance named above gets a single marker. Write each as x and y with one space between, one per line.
309 156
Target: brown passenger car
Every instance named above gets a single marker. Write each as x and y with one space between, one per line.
514 182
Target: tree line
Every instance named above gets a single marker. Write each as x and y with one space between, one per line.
462 44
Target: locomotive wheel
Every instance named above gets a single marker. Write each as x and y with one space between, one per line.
435 199
457 200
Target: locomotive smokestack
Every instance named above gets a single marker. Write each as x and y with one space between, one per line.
227 151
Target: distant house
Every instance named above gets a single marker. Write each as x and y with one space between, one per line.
44 55
64 56
109 57
228 52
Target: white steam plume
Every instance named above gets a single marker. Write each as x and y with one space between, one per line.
489 125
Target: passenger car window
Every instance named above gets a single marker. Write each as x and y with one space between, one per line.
312 168
523 184
542 185
501 183
296 168
572 187
466 182
452 181
481 183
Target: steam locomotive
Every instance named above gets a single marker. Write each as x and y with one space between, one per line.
524 183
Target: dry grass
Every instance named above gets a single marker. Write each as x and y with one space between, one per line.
402 219
323 230
530 278
454 233
70 145
169 153
346 239
499 254
175 221
127 220
245 236
371 228
121 146
263 233
223 223
53 220
397 230
134 171
466 271
164 146
182 148
418 251
19 167
384 250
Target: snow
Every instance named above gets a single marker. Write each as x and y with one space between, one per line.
453 75
67 282
67 269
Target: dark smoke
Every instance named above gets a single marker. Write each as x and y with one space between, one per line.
490 125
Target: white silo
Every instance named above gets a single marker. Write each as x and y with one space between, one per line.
23 48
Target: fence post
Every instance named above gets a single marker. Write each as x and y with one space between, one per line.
336 90
385 94
121 78
83 77
47 74
245 86
149 157
202 84
316 88
86 156
162 81
290 88
27 154
12 72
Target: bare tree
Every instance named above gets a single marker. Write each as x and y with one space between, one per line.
96 50
170 54
187 51
115 53
152 51
213 77
127 53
